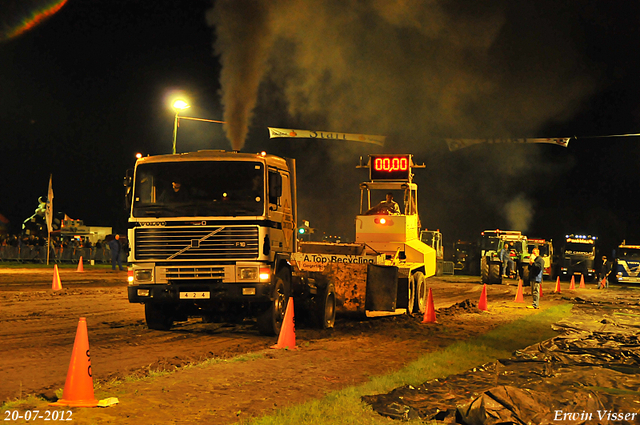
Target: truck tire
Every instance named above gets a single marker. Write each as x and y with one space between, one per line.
270 321
420 298
490 271
158 316
494 273
323 313
411 295
484 270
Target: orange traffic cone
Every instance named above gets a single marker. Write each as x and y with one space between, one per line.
519 294
482 304
287 337
430 314
57 285
80 266
78 389
557 286
582 282
603 284
572 286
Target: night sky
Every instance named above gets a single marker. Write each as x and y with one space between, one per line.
90 86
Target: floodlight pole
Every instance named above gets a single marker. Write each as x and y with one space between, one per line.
177 124
175 131
180 105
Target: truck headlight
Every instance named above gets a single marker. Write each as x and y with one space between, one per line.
143 275
247 273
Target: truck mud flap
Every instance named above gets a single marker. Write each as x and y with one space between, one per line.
382 287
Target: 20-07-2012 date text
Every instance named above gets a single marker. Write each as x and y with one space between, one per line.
32 415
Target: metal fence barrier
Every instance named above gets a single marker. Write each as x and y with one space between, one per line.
38 254
447 267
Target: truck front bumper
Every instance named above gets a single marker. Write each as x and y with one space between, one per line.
199 292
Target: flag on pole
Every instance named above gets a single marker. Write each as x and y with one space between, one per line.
49 212
455 144
327 135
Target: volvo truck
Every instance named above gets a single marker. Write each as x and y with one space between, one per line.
211 234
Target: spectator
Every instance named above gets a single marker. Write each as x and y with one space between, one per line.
115 247
536 266
605 271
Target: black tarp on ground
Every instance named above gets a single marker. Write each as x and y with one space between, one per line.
588 375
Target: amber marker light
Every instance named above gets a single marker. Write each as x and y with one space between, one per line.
265 273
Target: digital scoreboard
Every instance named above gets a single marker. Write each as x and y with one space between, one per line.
390 167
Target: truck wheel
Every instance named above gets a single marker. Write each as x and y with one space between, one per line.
484 270
411 295
324 308
494 273
270 321
159 317
420 298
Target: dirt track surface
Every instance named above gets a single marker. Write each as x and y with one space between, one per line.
39 327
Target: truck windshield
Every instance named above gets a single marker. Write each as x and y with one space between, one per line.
544 249
579 249
199 188
515 246
630 253
489 243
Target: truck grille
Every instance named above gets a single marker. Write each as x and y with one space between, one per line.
190 273
201 243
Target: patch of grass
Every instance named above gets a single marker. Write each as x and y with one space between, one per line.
30 400
344 407
242 358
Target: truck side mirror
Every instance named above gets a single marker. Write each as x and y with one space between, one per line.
128 179
128 184
275 187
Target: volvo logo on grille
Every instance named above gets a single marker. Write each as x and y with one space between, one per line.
195 243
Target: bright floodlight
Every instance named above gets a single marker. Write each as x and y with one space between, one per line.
180 104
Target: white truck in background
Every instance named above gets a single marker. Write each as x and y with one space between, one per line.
627 263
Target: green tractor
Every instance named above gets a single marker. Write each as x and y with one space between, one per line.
491 244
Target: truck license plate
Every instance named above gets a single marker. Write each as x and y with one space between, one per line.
195 295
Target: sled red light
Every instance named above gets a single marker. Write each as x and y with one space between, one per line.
383 221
